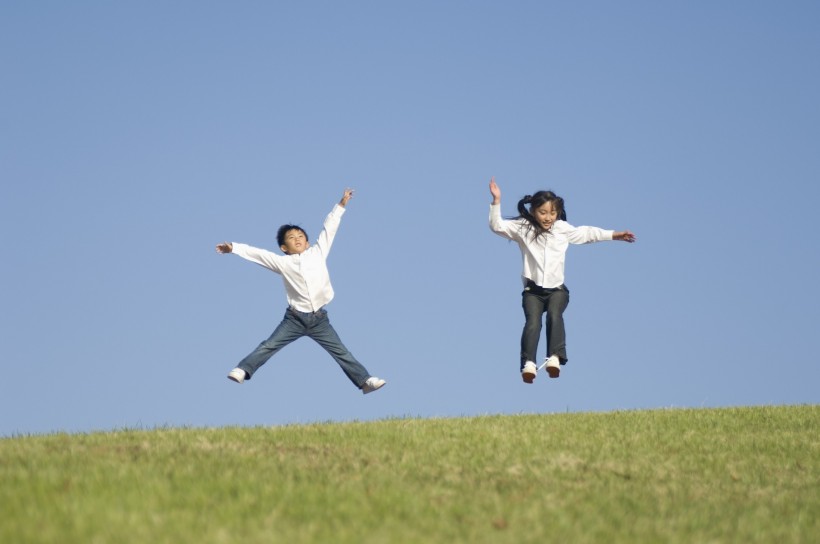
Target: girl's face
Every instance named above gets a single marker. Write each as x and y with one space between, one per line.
545 214
295 242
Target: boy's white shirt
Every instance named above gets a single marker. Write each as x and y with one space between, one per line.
306 278
544 256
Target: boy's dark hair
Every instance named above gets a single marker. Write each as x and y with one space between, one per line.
283 230
536 201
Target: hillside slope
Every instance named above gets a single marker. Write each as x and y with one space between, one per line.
706 475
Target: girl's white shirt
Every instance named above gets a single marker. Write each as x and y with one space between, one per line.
544 255
306 278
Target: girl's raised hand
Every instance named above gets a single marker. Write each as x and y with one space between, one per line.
624 236
495 191
225 247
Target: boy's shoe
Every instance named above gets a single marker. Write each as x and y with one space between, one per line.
237 374
372 384
528 372
553 366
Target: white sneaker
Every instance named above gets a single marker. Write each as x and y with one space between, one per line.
553 366
528 372
372 384
237 374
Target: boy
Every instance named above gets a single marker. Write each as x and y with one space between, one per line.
307 282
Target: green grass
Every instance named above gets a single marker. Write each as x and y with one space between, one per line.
707 475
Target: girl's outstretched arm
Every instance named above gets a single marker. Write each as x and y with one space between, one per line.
507 229
495 191
624 236
224 247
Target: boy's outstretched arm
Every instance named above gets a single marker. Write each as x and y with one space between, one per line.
624 236
224 247
348 194
331 225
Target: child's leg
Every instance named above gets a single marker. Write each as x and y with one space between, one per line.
557 302
533 310
288 330
325 335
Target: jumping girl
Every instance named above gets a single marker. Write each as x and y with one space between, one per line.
543 234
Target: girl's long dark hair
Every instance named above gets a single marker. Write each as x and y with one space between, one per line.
536 201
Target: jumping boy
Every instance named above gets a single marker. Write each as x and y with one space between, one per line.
307 282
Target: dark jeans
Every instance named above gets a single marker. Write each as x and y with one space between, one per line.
316 325
536 301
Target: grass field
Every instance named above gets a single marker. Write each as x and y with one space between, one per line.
693 476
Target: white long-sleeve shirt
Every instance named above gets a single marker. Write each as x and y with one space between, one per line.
306 278
544 256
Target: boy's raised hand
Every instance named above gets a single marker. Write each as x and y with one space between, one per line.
495 191
224 247
348 194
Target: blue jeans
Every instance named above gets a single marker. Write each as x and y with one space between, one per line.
316 325
536 302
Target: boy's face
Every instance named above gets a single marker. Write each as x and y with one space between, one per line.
295 242
545 214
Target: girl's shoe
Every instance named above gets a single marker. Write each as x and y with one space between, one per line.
372 384
237 374
528 372
553 366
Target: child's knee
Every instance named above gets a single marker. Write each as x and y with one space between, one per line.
555 315
532 325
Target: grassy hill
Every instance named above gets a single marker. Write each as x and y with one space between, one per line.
706 475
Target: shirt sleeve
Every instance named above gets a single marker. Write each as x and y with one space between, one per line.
329 229
583 235
262 257
505 228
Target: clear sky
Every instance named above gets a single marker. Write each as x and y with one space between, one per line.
135 136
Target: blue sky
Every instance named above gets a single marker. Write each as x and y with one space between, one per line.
134 136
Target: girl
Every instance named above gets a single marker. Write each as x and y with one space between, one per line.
543 234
